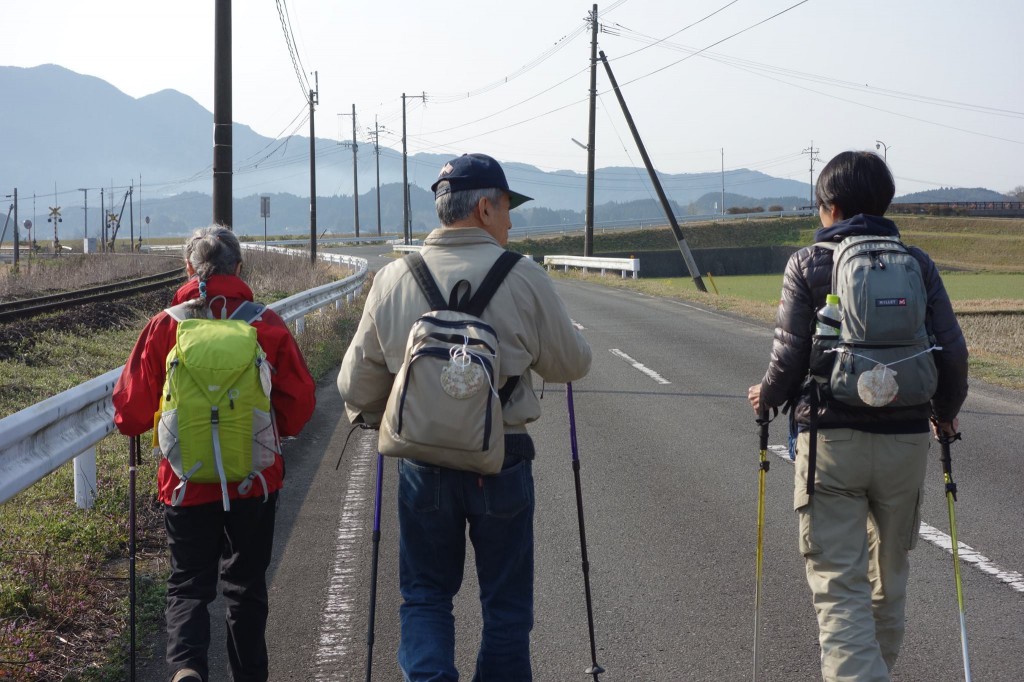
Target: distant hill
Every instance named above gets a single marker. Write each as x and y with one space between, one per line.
944 194
67 130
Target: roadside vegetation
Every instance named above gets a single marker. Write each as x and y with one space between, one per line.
64 571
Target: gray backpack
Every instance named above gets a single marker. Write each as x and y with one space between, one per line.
882 356
445 406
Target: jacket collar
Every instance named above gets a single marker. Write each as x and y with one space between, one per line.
459 236
860 224
227 286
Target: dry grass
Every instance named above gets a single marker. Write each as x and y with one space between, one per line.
76 271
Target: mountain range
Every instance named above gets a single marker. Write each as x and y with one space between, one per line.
64 131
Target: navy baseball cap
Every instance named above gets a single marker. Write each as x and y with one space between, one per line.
476 171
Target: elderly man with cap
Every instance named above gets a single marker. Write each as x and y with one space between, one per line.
436 504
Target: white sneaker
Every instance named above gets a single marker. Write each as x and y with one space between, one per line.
187 675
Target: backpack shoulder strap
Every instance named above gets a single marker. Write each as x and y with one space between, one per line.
425 280
248 312
831 246
181 312
495 276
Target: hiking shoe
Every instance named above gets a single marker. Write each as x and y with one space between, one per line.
187 675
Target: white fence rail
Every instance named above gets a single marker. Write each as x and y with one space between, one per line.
623 265
47 435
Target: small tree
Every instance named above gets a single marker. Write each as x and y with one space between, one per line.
1017 193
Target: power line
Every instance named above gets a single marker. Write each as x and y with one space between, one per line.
752 66
289 39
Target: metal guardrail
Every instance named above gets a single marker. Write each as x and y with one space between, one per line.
623 265
43 437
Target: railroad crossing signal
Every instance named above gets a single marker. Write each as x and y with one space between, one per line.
55 218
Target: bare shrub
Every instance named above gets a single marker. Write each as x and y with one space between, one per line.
274 275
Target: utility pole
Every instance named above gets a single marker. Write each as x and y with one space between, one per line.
406 222
355 168
131 216
691 265
588 232
314 99
16 235
222 159
103 223
85 211
813 153
376 152
723 180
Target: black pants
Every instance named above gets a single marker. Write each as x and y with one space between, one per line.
207 543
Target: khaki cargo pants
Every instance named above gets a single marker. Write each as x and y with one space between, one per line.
855 533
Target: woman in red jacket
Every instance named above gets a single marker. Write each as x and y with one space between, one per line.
206 541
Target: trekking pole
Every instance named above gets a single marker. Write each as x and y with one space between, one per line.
947 471
594 669
763 466
373 569
133 456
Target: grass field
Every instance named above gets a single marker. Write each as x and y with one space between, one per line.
963 287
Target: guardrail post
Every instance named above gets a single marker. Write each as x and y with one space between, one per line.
85 478
300 325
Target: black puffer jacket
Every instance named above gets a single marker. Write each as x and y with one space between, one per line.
807 280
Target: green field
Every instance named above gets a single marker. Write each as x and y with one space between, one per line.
962 286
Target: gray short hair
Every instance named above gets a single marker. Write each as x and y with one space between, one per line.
455 206
213 250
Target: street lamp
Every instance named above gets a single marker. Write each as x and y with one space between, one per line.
885 150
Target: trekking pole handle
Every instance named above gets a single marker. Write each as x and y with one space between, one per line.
945 440
763 422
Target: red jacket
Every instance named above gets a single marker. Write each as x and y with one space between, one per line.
137 393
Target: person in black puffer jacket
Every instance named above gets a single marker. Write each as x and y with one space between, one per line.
856 529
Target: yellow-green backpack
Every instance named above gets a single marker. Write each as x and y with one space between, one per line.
215 423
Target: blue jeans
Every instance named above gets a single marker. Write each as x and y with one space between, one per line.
434 506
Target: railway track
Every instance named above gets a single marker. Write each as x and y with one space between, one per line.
29 307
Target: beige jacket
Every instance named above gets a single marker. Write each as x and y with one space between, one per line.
532 324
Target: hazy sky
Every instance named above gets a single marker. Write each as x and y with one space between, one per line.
941 82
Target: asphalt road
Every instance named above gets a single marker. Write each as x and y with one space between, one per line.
668 457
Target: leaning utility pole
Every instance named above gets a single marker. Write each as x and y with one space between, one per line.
406 221
222 115
691 265
814 156
314 99
355 168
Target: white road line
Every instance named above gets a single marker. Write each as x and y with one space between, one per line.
643 368
971 556
577 324
336 622
935 536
